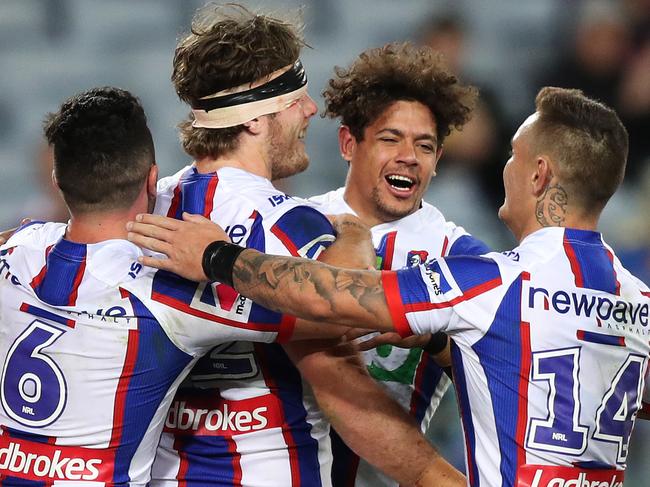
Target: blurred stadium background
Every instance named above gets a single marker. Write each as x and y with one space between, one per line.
51 49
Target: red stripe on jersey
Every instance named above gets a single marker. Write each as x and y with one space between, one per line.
286 241
573 261
646 294
471 293
287 327
77 281
183 462
41 275
185 308
394 301
292 449
524 375
390 250
209 195
123 387
445 244
236 462
611 259
176 201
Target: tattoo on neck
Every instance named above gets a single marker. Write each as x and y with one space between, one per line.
550 209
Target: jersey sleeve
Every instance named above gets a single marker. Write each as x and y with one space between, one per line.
425 299
301 232
198 316
462 243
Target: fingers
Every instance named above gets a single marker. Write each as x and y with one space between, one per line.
150 243
164 264
382 339
153 231
189 217
159 221
355 333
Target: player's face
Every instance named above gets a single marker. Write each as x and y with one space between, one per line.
287 130
390 169
519 200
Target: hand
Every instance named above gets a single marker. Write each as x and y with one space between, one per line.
415 341
352 248
183 242
6 234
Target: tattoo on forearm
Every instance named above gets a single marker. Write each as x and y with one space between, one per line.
290 285
550 209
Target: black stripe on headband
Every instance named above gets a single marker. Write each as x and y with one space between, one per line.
287 82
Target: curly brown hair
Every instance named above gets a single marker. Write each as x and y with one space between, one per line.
381 76
228 46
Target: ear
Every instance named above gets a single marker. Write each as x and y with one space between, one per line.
152 183
255 126
347 142
542 176
54 181
435 164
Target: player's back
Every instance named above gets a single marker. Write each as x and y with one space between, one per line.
260 424
91 358
550 374
81 385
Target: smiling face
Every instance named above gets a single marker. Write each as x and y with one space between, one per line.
390 169
287 130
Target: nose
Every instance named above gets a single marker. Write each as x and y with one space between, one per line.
309 106
407 153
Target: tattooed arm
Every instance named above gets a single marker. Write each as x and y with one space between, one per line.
312 290
307 289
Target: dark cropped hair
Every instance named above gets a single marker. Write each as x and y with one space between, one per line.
227 47
379 77
586 139
103 149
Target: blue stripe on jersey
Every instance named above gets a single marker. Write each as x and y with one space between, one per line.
472 272
460 384
64 263
427 378
207 459
413 289
499 352
29 224
46 315
16 482
595 265
194 189
256 239
158 363
468 245
289 391
301 225
171 285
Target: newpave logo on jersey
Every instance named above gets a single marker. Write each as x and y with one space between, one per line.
556 476
44 462
199 416
590 305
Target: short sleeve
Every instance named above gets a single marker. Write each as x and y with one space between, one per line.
424 299
303 232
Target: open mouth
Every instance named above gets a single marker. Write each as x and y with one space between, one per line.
400 183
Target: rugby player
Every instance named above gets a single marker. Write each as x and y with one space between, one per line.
91 355
240 72
396 105
550 339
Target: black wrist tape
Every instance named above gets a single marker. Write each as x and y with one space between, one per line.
219 260
437 343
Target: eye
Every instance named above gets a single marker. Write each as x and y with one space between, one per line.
428 148
388 139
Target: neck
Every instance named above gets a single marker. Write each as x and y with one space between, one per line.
248 157
89 228
579 221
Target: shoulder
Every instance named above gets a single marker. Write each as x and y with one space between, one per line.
167 184
331 202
